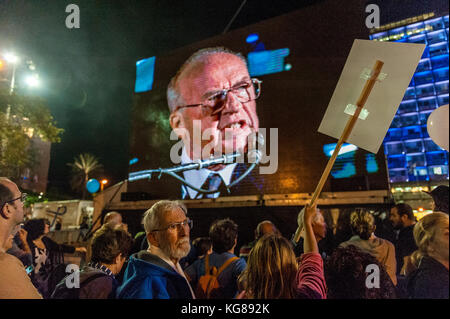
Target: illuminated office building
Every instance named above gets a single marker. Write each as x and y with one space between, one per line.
412 157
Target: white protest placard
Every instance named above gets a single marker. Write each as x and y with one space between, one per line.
400 61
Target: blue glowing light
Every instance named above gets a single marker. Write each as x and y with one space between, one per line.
344 166
371 163
252 38
328 149
267 62
134 160
347 170
145 70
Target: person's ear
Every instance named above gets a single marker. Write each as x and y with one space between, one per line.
119 258
403 218
5 212
178 125
152 239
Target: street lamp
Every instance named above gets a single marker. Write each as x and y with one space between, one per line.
32 80
13 59
103 183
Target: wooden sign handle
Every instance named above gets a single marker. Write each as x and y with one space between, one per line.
345 134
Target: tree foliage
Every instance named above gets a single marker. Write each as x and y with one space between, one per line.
22 118
83 166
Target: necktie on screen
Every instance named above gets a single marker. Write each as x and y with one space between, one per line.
212 183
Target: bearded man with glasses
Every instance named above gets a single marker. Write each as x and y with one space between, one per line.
213 94
14 281
156 273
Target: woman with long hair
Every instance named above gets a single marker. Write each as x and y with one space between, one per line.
273 272
428 271
47 255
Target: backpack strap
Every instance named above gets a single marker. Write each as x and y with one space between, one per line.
226 264
207 264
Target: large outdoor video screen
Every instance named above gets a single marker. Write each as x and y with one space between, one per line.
294 62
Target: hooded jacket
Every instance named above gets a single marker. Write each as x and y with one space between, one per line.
383 250
149 277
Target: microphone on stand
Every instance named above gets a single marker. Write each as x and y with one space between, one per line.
253 156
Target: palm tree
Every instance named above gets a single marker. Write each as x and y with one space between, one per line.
83 166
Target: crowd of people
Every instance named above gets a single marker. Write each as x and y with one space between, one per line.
173 266
358 257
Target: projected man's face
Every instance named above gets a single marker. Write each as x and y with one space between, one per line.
224 129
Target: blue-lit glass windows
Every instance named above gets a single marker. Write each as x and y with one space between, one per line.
425 90
442 99
437 158
424 65
430 146
409 119
407 107
412 132
394 148
396 161
415 160
434 24
398 175
410 93
423 77
440 74
441 87
421 38
438 49
439 61
436 37
413 146
410 152
439 172
427 103
415 28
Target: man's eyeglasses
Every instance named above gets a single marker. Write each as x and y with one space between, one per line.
177 226
244 92
23 198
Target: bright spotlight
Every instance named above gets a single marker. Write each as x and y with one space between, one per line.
32 80
11 58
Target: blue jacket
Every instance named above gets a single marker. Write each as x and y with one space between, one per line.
149 277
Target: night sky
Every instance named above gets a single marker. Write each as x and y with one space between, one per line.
89 73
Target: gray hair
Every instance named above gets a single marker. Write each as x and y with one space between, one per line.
174 97
153 216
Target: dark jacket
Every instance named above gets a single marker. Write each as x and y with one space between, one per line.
429 281
404 246
102 286
149 277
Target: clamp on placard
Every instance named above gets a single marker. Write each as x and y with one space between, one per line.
351 109
367 74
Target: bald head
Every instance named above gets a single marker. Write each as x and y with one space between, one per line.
11 209
265 227
196 60
5 189
113 218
